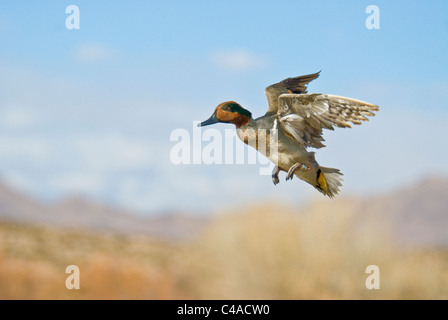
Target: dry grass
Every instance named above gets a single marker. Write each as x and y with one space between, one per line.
33 262
269 252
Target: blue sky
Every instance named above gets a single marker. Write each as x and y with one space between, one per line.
89 112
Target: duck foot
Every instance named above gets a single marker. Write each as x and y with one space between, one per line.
275 173
294 168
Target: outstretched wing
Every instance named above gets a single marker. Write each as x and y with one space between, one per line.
305 115
291 85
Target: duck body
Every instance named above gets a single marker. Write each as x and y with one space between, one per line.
281 149
294 123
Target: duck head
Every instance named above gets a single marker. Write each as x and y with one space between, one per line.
229 112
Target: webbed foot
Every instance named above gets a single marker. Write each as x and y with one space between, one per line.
294 168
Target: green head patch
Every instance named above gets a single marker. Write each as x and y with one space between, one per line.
235 107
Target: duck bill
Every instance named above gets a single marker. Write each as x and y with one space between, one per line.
212 120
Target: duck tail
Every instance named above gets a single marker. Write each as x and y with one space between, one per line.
328 181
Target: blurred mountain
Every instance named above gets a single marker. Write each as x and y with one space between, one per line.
419 214
78 213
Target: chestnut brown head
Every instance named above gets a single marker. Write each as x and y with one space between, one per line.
229 112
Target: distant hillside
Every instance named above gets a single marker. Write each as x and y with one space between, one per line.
256 252
77 213
419 214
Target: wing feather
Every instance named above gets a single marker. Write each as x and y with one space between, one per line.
304 116
291 85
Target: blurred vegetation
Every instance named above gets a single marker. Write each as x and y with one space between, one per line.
265 252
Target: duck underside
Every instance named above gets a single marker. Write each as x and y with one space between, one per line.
293 158
326 180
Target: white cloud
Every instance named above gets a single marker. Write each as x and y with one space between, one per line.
89 183
25 148
91 53
19 181
17 118
237 60
138 194
113 152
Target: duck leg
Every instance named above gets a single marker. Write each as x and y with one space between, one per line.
294 168
275 173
